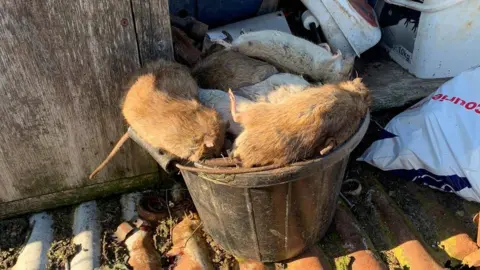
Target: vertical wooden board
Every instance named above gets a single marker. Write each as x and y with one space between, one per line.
62 64
152 21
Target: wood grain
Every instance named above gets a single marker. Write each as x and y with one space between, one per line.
78 195
62 64
152 24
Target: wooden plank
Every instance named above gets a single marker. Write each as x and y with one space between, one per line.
77 195
392 86
62 64
152 23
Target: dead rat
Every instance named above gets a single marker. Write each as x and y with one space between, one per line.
260 91
171 78
219 100
290 53
227 69
162 108
313 121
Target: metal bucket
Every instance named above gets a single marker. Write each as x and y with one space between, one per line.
272 215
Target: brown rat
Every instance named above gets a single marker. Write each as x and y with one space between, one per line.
299 127
161 107
171 78
227 69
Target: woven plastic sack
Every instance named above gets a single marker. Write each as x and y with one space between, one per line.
437 141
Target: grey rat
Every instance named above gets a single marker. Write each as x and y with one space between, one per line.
227 69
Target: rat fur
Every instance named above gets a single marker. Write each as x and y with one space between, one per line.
281 93
227 69
182 127
171 78
260 91
219 100
161 106
294 54
313 121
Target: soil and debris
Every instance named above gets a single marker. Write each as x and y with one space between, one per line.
62 248
220 258
162 236
60 253
17 231
114 255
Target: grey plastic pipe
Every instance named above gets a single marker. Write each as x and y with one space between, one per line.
166 161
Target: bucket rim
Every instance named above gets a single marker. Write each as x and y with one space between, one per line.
272 171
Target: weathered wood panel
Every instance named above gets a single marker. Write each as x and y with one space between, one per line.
392 86
152 21
62 64
77 195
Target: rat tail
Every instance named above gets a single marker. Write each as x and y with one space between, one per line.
114 151
233 106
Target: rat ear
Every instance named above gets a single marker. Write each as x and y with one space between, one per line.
208 141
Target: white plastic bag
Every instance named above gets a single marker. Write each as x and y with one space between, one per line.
437 141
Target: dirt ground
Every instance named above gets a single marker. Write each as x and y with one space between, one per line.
162 234
114 255
14 232
62 248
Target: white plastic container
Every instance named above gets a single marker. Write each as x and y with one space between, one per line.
271 21
348 25
433 39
